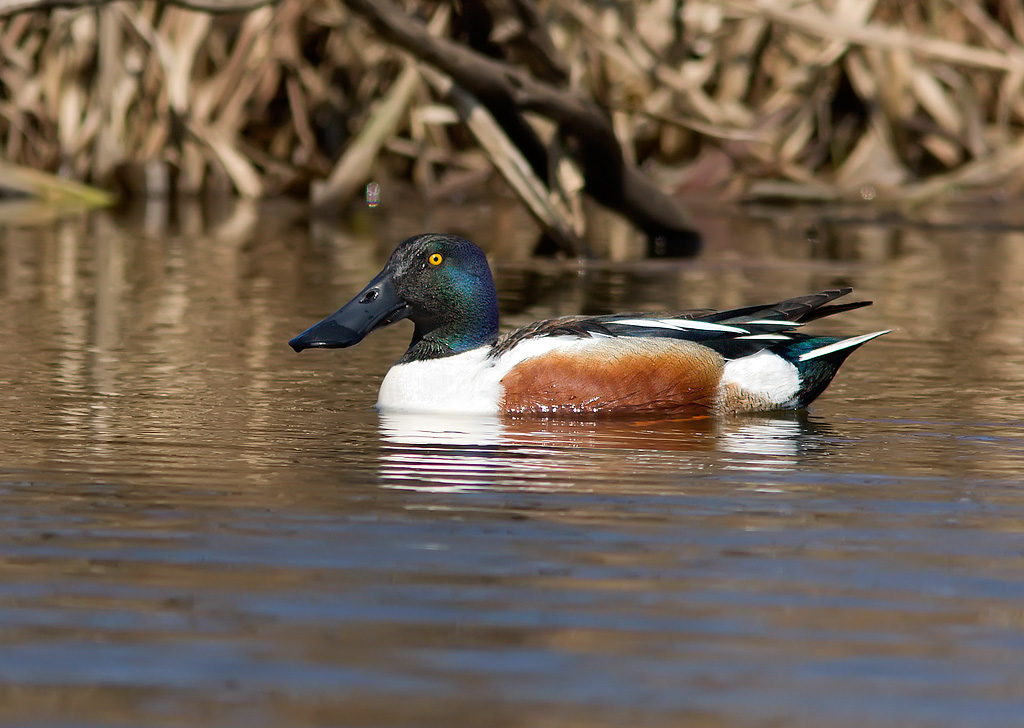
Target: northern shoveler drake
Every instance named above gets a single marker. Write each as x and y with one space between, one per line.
743 359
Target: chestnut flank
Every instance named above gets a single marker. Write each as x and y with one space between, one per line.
615 376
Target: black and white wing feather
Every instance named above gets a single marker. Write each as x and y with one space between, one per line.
733 333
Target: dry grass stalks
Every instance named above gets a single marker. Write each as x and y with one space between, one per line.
811 99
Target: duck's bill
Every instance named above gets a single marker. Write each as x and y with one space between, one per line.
376 305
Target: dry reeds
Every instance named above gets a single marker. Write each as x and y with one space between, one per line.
817 99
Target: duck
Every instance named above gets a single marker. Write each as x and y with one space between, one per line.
633 364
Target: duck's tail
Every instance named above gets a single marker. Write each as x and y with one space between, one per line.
817 359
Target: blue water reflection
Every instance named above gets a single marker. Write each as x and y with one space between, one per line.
452 453
202 528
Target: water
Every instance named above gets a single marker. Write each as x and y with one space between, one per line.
202 528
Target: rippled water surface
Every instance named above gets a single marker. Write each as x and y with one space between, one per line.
199 527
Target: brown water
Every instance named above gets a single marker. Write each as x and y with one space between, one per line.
202 528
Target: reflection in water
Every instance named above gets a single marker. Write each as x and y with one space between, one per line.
774 442
442 453
410 428
431 452
200 527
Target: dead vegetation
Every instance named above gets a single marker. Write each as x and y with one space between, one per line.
825 99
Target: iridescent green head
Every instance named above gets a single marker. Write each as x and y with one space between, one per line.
441 282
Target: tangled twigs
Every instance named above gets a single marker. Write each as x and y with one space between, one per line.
502 87
634 104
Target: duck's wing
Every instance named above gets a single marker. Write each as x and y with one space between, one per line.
732 333
801 309
582 327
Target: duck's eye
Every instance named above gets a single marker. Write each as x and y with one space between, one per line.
435 259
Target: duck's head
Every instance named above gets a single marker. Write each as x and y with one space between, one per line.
440 282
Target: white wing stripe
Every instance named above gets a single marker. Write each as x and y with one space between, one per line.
840 345
681 325
771 322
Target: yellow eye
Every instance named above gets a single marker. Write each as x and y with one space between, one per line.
435 259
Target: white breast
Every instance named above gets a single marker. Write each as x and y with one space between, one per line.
468 383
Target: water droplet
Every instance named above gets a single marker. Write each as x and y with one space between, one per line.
372 194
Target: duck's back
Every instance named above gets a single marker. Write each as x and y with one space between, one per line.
636 364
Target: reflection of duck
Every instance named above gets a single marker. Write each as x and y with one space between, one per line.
417 428
459 453
767 433
723 361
